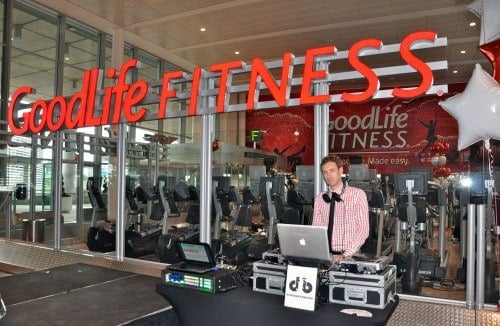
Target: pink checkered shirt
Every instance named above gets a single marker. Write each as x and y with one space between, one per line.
351 219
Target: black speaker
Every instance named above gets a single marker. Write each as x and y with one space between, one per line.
21 191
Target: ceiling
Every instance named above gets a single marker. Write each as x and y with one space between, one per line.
170 29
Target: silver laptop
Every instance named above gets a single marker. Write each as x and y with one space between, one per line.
304 243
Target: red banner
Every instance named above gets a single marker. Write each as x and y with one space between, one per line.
393 136
390 135
285 132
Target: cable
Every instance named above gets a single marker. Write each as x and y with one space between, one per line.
337 283
447 283
237 276
3 308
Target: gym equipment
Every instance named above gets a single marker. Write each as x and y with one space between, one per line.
408 262
96 201
167 242
233 244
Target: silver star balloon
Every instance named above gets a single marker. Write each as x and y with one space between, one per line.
476 109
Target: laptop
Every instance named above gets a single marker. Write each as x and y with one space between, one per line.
195 258
305 244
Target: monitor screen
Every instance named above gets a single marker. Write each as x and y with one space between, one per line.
305 172
419 183
168 182
278 185
359 172
477 183
427 171
257 171
223 184
195 252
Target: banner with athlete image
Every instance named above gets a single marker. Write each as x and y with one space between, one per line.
391 135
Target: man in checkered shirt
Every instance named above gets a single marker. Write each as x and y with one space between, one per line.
351 216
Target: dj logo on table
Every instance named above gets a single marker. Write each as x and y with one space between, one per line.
295 284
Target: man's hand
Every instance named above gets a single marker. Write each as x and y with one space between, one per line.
337 258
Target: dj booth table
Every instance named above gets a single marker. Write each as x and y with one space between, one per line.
243 306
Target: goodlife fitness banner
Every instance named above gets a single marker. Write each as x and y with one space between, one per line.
391 135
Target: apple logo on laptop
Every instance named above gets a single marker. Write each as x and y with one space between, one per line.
302 241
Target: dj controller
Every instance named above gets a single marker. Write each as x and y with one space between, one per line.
361 281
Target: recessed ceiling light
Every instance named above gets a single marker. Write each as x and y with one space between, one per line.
463 52
455 71
203 29
236 52
472 24
128 4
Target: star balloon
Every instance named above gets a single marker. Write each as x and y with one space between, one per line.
477 109
492 52
488 11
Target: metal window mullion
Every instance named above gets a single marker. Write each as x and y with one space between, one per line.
57 149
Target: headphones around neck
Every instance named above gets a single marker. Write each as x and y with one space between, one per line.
335 196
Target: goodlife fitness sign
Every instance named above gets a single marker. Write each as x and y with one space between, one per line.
123 102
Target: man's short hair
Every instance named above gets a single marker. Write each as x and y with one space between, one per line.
332 158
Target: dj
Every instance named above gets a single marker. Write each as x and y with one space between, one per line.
348 228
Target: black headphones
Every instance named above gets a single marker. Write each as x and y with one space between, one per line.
335 196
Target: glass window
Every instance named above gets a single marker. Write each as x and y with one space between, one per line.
33 63
81 50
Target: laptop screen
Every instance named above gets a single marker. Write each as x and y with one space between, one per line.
304 243
196 253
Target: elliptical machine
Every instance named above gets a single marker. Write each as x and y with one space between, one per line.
167 243
408 261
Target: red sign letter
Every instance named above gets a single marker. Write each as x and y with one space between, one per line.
371 77
57 101
17 96
224 71
90 120
419 65
42 106
280 92
310 74
166 92
136 93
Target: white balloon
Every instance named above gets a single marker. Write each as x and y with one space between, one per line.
435 160
477 109
476 7
442 160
